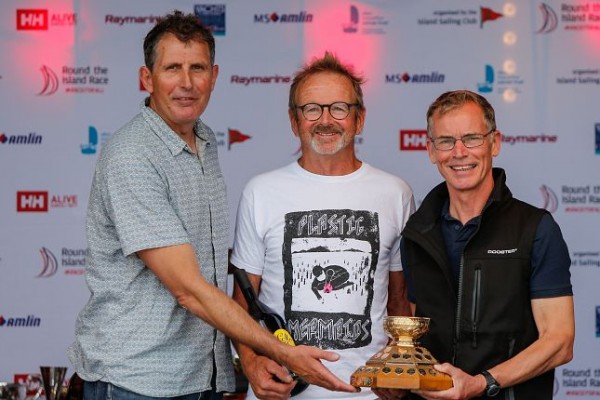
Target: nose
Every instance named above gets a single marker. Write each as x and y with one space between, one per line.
460 150
325 115
185 79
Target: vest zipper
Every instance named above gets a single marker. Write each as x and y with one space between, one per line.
475 306
458 309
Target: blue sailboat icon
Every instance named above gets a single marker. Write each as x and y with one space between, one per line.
352 27
488 85
90 147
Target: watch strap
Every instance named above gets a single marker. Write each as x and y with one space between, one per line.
492 387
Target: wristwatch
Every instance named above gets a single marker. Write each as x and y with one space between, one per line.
492 388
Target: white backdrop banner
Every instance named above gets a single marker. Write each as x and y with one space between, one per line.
69 78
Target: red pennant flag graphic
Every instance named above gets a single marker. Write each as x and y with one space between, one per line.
487 14
236 136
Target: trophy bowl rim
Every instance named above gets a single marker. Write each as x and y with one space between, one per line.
415 329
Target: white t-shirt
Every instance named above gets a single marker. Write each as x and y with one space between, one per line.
324 246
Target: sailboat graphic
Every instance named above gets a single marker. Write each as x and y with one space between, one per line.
352 27
488 85
50 81
90 147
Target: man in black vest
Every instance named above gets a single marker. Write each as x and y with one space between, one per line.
491 271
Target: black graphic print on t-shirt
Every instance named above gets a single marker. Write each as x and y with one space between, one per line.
330 258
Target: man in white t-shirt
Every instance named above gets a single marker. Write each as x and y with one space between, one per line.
320 238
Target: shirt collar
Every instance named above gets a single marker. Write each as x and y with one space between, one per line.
174 143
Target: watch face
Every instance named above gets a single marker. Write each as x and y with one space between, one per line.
493 390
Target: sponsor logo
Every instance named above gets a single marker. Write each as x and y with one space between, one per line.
549 19
487 85
267 79
302 17
413 139
506 251
589 259
212 16
580 378
573 17
110 19
72 262
460 17
365 21
598 321
581 76
32 20
50 81
550 199
352 25
29 321
573 198
88 79
233 136
63 201
502 80
31 138
532 139
49 264
29 201
487 14
405 77
41 19
40 201
92 144
597 134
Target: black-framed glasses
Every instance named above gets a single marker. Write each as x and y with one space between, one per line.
470 140
338 110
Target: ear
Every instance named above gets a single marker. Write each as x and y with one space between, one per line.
431 151
294 122
360 121
215 74
497 143
146 79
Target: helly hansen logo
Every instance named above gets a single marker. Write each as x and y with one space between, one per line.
507 251
32 201
32 20
413 139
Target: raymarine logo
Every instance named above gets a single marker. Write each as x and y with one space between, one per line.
507 251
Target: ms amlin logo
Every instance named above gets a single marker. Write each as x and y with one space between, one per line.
22 322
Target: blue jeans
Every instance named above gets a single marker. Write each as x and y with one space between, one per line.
106 391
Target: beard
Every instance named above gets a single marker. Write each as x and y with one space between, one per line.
335 140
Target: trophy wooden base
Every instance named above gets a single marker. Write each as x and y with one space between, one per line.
402 364
401 367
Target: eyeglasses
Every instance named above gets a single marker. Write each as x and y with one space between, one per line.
338 110
470 140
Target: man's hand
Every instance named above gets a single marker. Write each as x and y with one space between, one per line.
262 373
465 386
305 361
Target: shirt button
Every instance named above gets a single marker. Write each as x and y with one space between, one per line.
456 227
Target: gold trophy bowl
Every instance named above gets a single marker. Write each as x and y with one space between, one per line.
402 364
